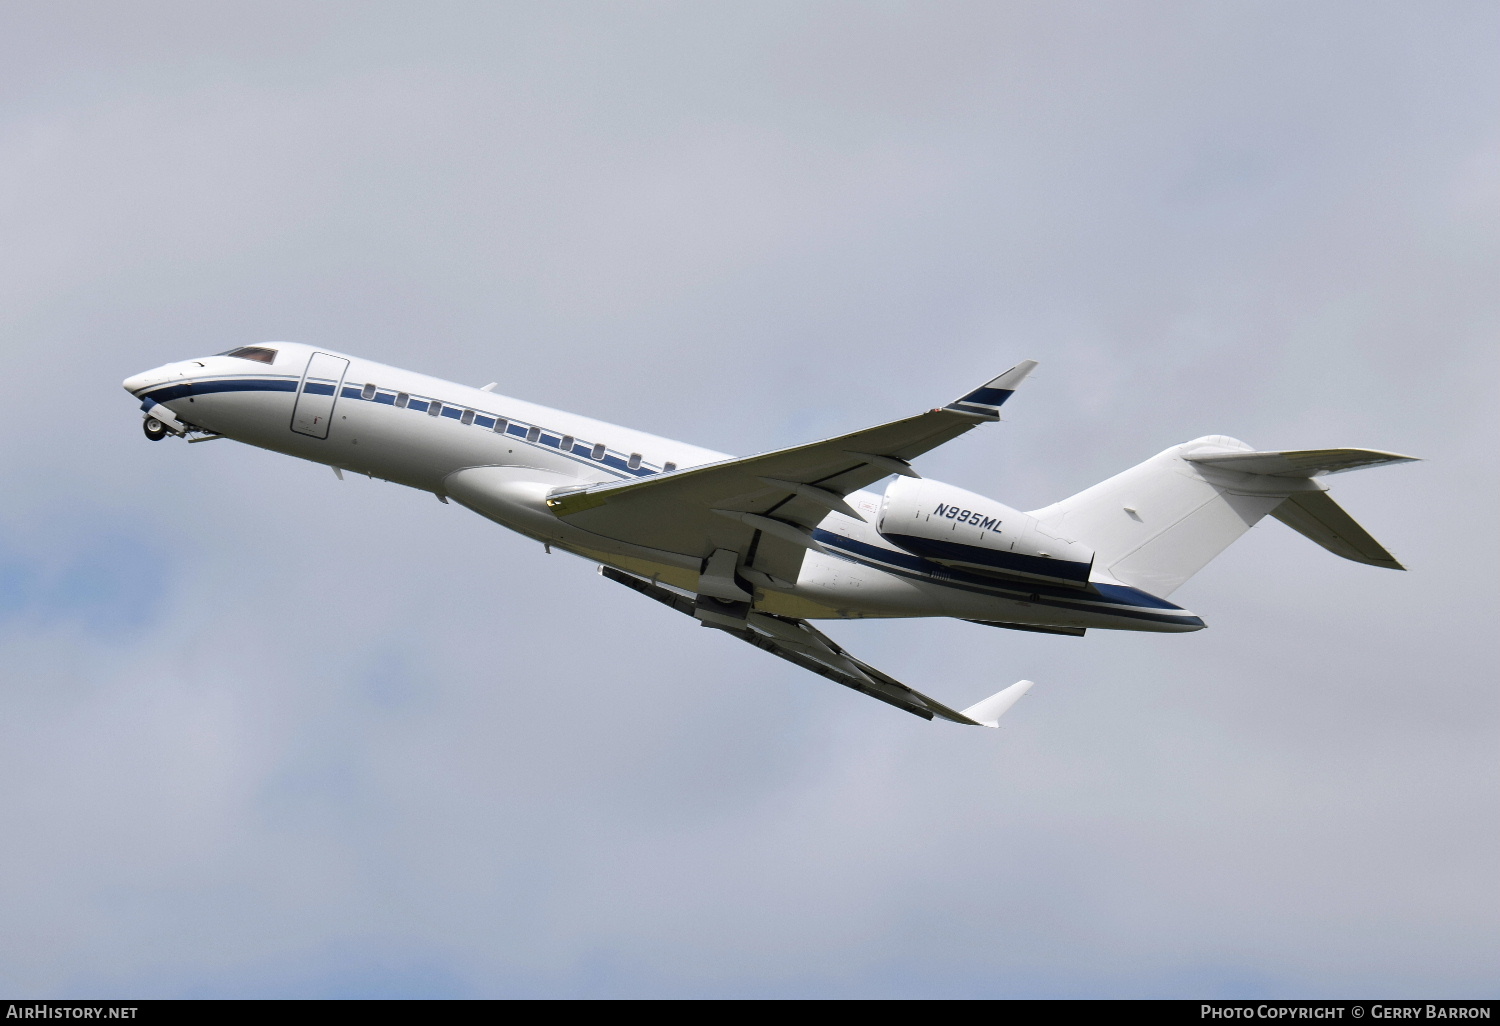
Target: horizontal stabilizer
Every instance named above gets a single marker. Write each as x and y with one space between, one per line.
988 712
1316 516
1301 462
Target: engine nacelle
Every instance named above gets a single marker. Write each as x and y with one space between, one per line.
960 529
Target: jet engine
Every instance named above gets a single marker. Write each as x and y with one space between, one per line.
961 529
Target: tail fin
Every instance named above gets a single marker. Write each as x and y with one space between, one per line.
1160 522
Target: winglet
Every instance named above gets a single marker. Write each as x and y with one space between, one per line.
988 712
986 400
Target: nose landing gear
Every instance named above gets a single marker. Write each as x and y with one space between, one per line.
160 422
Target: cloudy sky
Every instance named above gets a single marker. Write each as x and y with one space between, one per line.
266 734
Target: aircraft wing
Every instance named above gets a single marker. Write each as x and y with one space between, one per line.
765 507
798 642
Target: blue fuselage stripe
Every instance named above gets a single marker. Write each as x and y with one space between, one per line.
1058 569
166 393
1107 599
580 453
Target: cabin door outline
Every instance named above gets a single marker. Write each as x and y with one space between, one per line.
318 392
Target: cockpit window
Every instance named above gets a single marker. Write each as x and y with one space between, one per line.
257 353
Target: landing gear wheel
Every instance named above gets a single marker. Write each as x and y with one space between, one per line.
155 429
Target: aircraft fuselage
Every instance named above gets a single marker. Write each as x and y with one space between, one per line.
359 416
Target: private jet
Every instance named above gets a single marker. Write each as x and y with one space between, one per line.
760 546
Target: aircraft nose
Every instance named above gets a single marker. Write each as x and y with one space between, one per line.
145 379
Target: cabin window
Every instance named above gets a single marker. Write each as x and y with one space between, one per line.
467 418
434 408
598 451
634 462
533 434
500 425
368 392
257 353
667 468
567 443
402 398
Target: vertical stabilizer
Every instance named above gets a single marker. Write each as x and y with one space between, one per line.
1158 523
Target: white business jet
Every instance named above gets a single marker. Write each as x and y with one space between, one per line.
758 546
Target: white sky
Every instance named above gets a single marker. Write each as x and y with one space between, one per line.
265 734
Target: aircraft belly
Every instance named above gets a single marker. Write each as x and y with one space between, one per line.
854 590
849 588
246 416
843 588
